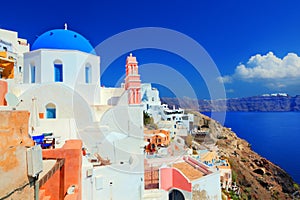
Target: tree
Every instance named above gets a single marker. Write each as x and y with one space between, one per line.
147 118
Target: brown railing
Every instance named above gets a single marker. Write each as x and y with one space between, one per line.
151 178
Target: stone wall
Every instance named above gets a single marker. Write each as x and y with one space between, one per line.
14 138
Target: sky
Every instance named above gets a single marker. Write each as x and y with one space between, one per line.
254 45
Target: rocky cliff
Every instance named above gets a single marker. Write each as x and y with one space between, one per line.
253 104
257 177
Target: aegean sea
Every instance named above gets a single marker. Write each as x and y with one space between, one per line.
273 135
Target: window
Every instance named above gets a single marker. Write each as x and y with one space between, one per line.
88 75
58 71
32 73
50 111
20 69
185 118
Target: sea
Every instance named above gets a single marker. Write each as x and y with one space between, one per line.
273 135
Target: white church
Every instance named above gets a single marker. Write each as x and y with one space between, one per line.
61 81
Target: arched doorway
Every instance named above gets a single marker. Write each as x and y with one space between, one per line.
176 195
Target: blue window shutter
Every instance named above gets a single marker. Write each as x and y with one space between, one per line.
58 72
32 74
51 113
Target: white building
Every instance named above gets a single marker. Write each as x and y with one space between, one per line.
151 101
181 122
150 96
178 122
14 47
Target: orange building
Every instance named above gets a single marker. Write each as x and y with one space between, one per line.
160 138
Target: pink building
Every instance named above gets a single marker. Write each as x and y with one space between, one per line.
189 179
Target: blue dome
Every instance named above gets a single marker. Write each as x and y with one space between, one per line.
63 39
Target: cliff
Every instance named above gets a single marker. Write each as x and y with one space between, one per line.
253 104
257 177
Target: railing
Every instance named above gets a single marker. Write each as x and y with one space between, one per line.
151 178
8 55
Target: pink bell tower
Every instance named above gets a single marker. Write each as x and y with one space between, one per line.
133 81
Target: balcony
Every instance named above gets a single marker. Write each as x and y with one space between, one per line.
7 62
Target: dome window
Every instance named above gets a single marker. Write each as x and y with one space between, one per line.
88 73
58 71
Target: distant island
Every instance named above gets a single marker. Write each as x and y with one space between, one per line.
279 102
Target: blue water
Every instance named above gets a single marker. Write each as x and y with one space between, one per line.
274 135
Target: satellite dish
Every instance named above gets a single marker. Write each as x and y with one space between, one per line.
11 99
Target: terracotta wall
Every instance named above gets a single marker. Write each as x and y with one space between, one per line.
3 91
13 164
70 174
172 178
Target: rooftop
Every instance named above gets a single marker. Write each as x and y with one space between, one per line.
189 171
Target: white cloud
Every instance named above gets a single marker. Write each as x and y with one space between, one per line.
268 70
224 79
269 67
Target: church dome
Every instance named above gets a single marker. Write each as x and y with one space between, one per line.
63 39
